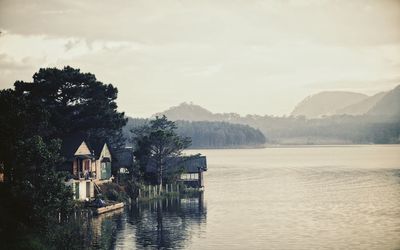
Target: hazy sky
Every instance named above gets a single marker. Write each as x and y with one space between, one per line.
249 57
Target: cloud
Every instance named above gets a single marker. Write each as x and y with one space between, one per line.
356 22
369 87
7 63
53 49
271 53
71 44
12 70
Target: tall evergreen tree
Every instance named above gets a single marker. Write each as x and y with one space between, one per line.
76 103
158 142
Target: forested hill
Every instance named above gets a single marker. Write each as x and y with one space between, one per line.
374 119
209 134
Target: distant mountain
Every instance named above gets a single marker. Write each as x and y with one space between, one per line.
326 103
388 105
320 105
363 106
192 112
187 112
357 119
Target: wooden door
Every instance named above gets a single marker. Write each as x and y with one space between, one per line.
88 189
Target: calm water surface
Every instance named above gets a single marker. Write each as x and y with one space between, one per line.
331 197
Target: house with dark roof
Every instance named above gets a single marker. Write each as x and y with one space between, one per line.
194 168
190 168
88 165
103 158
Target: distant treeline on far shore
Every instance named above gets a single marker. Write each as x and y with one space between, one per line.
209 134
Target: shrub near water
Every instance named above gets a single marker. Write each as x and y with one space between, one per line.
113 192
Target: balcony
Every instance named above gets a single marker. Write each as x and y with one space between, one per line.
85 176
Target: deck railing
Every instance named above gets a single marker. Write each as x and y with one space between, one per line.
85 176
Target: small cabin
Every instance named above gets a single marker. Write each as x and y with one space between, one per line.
87 166
194 168
191 169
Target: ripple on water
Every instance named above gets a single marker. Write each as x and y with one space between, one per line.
281 198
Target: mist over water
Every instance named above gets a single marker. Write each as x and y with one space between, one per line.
319 197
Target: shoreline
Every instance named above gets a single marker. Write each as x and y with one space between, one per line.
296 146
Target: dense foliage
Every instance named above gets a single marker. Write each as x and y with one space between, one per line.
75 102
36 117
210 134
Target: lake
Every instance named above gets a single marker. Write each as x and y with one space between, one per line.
311 197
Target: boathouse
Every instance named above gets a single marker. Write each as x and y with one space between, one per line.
190 168
193 167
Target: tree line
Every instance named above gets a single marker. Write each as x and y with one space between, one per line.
363 129
206 134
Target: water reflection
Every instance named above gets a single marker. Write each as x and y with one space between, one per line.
282 198
104 229
166 224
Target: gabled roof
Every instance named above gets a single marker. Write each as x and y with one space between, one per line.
70 144
97 147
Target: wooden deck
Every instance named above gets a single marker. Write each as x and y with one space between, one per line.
109 208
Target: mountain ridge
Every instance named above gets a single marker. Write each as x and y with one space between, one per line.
338 103
331 103
363 106
326 103
378 125
389 105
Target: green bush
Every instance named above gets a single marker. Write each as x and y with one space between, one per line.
113 192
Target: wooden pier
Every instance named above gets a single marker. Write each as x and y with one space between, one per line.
108 208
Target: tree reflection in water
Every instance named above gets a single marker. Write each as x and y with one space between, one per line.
167 223
105 228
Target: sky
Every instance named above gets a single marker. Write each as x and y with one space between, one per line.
243 56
